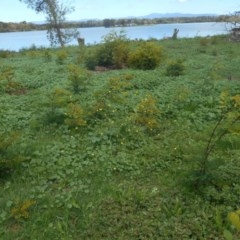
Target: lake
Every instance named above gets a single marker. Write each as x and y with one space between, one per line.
15 41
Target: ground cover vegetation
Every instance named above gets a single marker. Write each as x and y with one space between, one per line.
121 147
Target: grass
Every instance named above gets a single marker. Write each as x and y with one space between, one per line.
122 165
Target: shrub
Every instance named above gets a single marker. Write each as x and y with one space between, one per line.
58 100
7 73
75 116
175 68
47 55
203 41
4 54
7 159
91 59
77 78
61 56
111 53
146 56
146 113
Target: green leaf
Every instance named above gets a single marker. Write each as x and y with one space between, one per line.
227 234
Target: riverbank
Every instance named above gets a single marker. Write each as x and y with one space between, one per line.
28 26
34 39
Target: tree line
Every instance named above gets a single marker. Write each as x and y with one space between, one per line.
60 32
123 22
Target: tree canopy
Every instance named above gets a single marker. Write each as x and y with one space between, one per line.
55 12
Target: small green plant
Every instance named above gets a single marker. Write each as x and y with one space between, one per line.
61 56
146 113
90 59
234 219
77 78
75 116
147 56
7 73
47 55
7 159
225 125
58 100
175 68
21 211
203 42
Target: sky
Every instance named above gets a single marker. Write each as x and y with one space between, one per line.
16 11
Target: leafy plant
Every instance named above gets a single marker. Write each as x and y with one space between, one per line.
146 113
4 54
146 56
175 68
234 219
8 160
47 55
228 118
58 100
61 56
111 53
75 116
22 210
78 78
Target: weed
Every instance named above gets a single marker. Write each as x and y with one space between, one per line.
175 68
146 56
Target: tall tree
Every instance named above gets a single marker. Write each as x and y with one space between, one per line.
55 12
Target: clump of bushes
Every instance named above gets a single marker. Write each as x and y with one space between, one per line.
146 56
175 68
4 54
115 52
111 53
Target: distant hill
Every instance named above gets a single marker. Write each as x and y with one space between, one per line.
175 15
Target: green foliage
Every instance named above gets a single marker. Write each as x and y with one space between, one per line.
22 210
146 113
47 55
203 42
113 52
61 56
209 171
7 73
56 104
234 219
78 78
75 116
4 54
91 60
7 82
107 163
175 68
146 56
8 159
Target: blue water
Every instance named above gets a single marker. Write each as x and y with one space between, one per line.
15 41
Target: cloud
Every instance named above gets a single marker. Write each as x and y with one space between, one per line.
182 1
